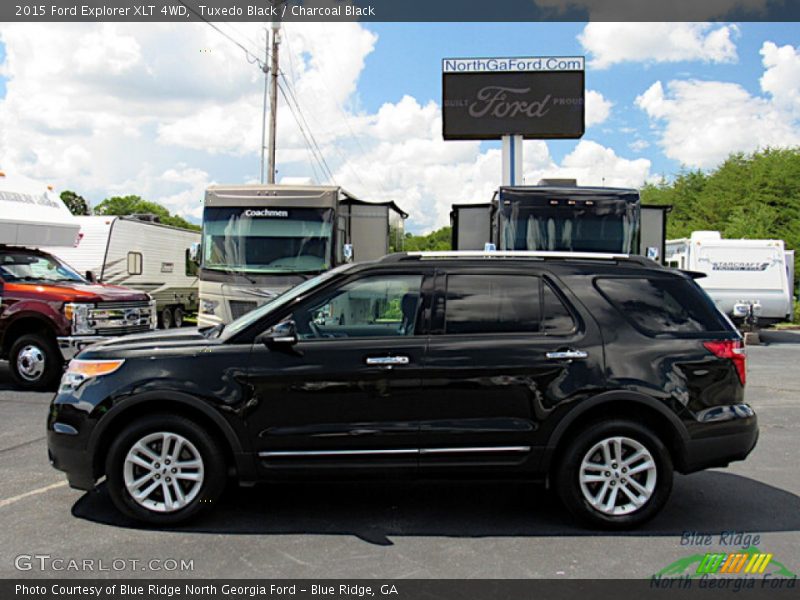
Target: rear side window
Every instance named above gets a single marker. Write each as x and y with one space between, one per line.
503 304
663 305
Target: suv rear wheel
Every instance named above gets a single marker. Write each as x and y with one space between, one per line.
35 362
165 469
615 475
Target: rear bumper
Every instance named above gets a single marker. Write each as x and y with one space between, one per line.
721 443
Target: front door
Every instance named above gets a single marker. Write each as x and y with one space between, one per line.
506 348
345 395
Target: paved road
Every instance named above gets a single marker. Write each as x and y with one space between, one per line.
396 530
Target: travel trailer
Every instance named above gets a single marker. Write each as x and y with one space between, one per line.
48 311
558 215
260 240
740 275
140 253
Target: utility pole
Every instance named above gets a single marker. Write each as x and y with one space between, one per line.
265 70
273 99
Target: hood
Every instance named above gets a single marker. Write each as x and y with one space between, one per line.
154 340
69 291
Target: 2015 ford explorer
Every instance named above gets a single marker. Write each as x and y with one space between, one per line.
598 373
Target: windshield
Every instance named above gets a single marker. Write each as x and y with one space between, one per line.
609 228
267 240
19 265
248 319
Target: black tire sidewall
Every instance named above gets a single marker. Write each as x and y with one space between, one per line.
213 465
567 475
53 362
177 317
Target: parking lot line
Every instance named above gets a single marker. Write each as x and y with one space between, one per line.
36 492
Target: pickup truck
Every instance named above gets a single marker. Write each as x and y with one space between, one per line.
49 313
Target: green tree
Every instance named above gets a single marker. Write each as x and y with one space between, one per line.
76 203
754 196
135 205
441 239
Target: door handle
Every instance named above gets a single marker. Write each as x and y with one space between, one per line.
567 355
388 361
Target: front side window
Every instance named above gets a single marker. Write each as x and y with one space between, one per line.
377 306
19 265
267 240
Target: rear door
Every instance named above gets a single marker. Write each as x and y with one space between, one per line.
507 348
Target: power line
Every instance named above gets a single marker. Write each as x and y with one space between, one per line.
320 160
251 58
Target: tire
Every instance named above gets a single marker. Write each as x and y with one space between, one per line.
36 362
166 318
585 455
177 317
201 487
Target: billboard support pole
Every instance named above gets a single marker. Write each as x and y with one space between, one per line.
512 160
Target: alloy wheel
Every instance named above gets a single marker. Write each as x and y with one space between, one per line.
618 476
163 472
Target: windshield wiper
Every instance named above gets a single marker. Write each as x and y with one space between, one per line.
242 273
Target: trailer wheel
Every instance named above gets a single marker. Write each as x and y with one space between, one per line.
177 316
35 361
166 318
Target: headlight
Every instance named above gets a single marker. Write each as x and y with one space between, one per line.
209 307
78 315
79 371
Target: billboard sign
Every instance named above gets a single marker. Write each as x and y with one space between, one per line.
535 97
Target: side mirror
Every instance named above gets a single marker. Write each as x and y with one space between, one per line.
282 334
194 253
90 277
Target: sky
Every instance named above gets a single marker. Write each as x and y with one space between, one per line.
164 110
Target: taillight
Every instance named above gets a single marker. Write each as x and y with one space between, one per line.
733 350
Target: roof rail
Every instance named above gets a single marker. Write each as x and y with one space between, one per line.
510 254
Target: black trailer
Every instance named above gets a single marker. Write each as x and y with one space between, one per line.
564 218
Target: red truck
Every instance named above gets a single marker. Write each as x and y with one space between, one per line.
48 313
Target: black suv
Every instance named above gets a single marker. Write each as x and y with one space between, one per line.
600 374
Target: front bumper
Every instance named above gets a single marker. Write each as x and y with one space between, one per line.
67 452
70 346
718 442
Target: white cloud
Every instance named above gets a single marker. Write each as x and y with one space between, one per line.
598 109
612 43
701 122
164 110
782 76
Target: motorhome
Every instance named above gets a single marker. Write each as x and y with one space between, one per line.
140 253
260 240
559 215
740 275
48 311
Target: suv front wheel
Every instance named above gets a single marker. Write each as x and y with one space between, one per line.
165 469
615 475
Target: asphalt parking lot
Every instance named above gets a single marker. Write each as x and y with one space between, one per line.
400 530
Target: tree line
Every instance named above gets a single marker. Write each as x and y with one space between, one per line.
124 205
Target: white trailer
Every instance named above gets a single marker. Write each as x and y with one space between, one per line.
739 273
142 254
32 214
